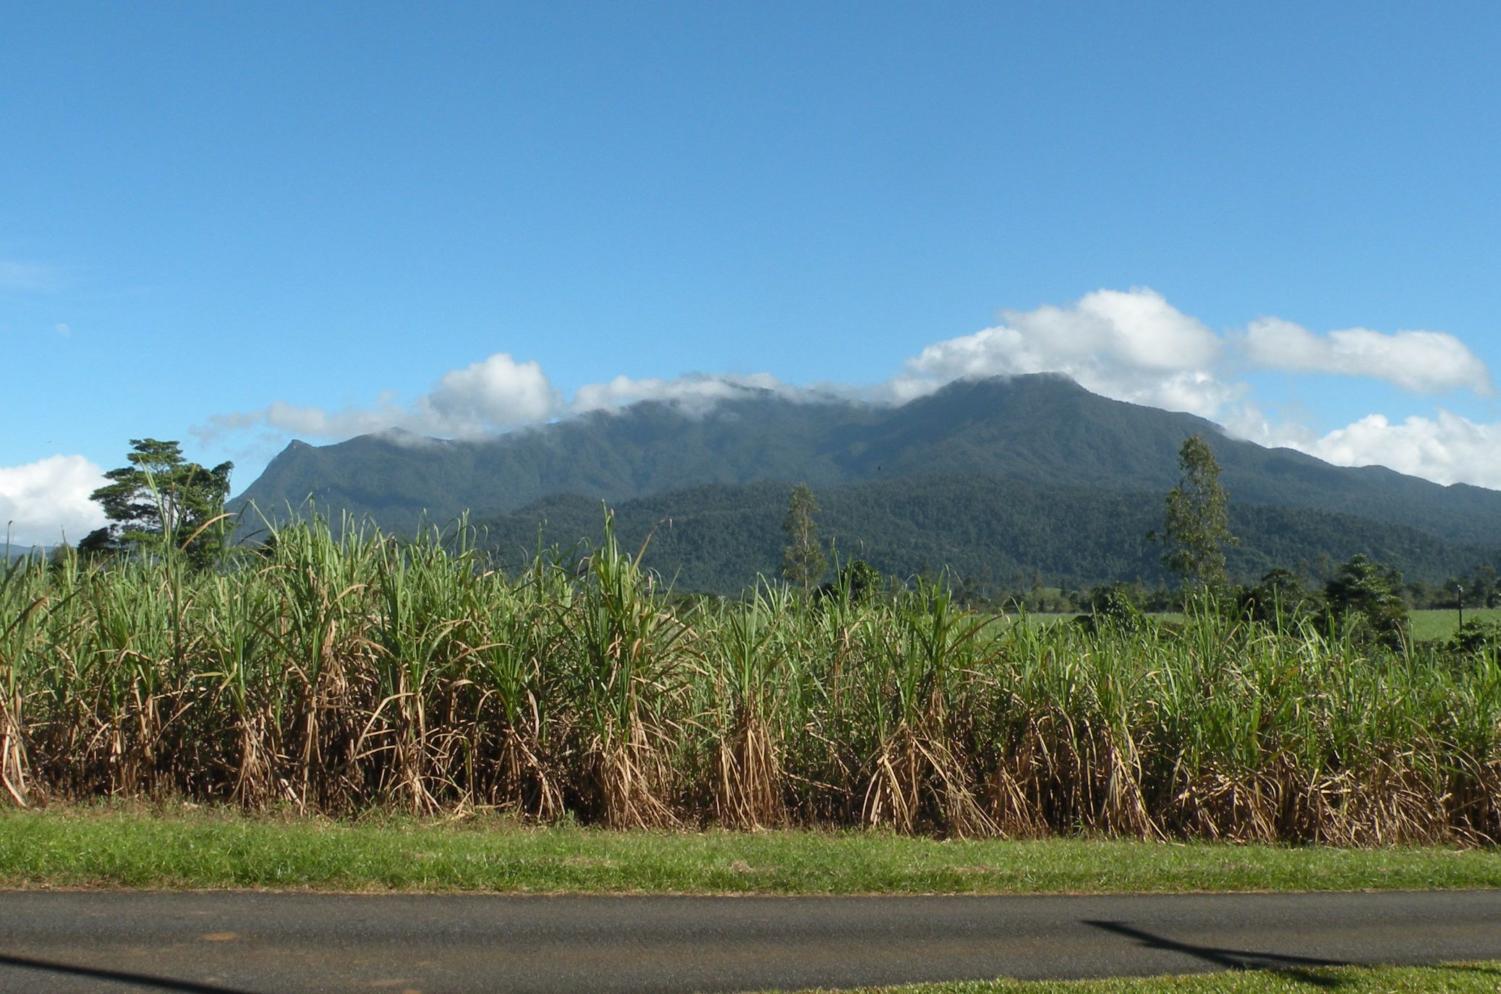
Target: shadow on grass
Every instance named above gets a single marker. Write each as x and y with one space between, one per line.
145 980
1299 968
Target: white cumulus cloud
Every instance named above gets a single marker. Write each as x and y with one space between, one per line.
1131 345
487 396
43 501
491 395
1445 448
1420 361
695 392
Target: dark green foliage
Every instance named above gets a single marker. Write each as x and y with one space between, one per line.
858 581
1112 607
161 497
803 561
99 542
1475 636
1478 588
1278 598
1363 596
1197 521
1483 587
995 536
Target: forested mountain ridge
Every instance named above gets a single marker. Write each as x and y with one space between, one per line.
990 535
974 472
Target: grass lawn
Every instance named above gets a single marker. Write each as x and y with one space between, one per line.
115 846
1457 978
1441 624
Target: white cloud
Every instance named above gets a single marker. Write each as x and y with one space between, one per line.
40 502
65 330
484 397
695 392
1420 361
313 422
1445 448
1131 345
487 396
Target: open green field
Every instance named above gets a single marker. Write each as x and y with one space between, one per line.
1427 625
136 846
1459 978
350 674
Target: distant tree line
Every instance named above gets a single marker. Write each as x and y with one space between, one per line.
160 499
1362 598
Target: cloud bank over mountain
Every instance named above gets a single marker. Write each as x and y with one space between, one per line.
484 397
1131 345
1128 345
1445 448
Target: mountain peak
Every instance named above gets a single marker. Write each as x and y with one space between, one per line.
1042 428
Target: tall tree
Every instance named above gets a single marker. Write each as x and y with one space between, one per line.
1197 525
161 497
803 560
1365 592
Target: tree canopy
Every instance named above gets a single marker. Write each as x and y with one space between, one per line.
803 561
160 497
1197 526
1364 594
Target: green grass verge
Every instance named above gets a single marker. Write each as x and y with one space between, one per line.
1460 978
172 848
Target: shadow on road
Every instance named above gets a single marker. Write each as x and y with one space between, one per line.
145 980
1292 967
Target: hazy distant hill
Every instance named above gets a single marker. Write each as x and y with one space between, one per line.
994 478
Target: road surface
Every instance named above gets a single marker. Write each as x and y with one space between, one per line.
230 943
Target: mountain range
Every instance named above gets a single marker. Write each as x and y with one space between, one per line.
1003 481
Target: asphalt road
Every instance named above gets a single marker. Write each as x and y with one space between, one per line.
241 942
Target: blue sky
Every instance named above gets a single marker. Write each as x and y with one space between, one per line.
238 225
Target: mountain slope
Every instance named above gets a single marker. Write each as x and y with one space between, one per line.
998 480
1040 429
990 534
